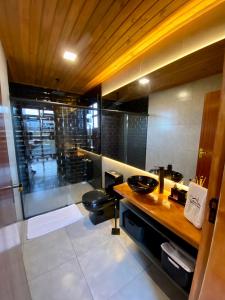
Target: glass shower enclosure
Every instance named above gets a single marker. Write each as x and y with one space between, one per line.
52 146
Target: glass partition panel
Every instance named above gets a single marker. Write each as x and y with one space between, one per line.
51 163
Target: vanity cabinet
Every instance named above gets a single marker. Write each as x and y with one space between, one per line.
151 220
149 234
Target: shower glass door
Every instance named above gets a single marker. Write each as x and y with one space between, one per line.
53 169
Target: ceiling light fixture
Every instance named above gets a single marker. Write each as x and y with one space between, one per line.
69 55
143 81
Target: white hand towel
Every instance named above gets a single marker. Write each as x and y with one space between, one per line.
195 205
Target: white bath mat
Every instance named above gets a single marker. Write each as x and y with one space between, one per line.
43 224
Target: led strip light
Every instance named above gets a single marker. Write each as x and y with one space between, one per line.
186 14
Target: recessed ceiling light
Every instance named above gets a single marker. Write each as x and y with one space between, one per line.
143 80
69 55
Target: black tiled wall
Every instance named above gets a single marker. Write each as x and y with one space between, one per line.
124 137
136 140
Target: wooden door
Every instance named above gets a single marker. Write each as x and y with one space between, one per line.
13 281
215 187
213 286
208 132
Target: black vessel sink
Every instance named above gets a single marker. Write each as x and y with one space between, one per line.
142 184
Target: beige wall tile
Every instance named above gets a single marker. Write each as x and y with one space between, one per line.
174 125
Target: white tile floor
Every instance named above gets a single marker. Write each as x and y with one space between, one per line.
83 262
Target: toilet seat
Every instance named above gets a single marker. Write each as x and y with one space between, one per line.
96 200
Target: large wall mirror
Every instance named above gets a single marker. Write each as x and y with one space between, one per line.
168 118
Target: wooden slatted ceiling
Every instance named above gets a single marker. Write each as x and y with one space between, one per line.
35 33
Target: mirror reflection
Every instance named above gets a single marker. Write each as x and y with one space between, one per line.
124 137
178 127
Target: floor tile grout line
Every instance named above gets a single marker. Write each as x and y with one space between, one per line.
85 278
124 286
78 256
65 229
52 269
57 266
78 259
80 265
71 243
129 252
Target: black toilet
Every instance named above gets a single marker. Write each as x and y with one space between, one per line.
100 203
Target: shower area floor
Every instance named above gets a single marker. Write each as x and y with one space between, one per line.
44 175
47 200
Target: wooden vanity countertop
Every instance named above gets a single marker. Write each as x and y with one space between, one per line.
171 214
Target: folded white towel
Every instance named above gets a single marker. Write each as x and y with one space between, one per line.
195 205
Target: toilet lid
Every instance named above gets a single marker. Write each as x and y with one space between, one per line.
95 198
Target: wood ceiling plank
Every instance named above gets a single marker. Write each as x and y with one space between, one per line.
123 35
80 40
77 26
99 32
24 17
87 11
153 16
49 10
83 42
106 22
10 33
124 20
61 13
36 16
63 41
126 8
188 13
99 13
5 39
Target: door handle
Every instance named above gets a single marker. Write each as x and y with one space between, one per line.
201 153
213 206
15 186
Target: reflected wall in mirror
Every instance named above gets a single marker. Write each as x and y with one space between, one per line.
176 107
174 125
124 137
